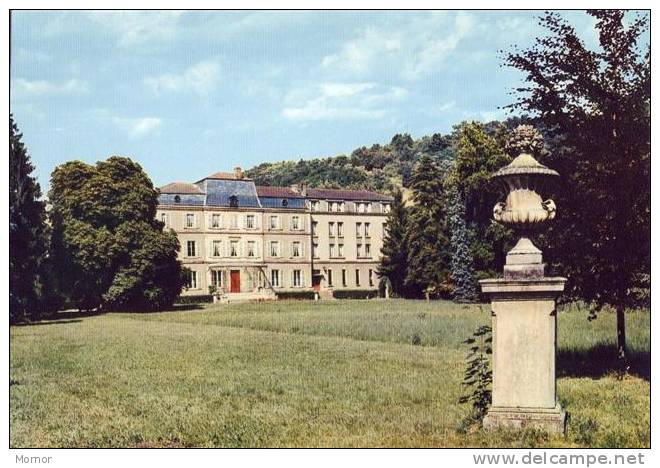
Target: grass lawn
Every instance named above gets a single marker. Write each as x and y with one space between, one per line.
340 373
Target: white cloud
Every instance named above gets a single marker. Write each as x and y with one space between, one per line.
359 54
417 47
137 127
446 106
342 101
134 28
200 78
27 88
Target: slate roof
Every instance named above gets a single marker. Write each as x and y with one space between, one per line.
220 191
225 176
277 192
181 187
340 194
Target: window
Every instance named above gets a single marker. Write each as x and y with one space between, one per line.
360 207
340 250
274 222
359 250
190 220
285 203
367 250
358 229
163 218
296 249
297 278
332 206
315 226
357 277
215 221
191 279
368 207
329 277
233 201
274 249
275 278
177 199
315 250
316 205
366 229
371 277
191 248
340 229
295 223
341 207
249 221
251 249
216 278
233 248
343 277
216 248
386 207
332 250
331 229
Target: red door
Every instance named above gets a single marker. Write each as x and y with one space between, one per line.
235 276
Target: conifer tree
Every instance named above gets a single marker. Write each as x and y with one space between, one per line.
394 260
461 257
27 232
428 247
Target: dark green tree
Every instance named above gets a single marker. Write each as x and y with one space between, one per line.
477 157
598 103
428 246
394 260
107 245
461 257
27 233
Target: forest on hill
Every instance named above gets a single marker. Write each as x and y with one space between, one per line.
379 167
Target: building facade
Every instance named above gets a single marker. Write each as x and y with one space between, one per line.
237 237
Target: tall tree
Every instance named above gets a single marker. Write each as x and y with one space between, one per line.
27 232
461 257
598 102
428 247
394 260
477 156
107 244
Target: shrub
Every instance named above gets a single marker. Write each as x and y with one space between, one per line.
478 374
196 299
296 295
355 293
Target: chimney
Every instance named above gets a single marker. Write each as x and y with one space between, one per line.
238 172
303 189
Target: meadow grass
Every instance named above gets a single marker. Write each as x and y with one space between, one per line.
336 373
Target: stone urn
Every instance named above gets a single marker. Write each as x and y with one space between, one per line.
525 211
523 308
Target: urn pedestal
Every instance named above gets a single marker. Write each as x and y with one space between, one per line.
523 309
524 347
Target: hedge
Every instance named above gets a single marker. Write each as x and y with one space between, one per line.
196 299
296 295
355 293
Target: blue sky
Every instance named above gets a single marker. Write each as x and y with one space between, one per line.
190 93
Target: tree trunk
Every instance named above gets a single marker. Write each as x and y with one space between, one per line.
621 334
